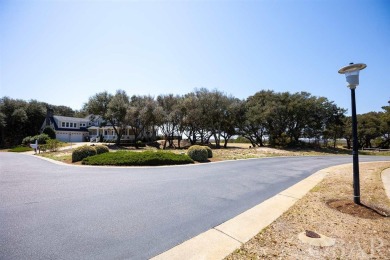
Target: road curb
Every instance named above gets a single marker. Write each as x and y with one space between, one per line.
220 241
386 181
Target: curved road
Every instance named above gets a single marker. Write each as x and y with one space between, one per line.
51 211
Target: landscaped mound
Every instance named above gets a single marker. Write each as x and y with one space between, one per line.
146 158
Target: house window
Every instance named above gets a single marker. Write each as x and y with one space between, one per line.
62 124
67 124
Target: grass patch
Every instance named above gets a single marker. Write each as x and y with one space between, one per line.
145 158
20 149
58 156
375 153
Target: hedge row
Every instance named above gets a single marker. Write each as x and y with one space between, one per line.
146 158
85 151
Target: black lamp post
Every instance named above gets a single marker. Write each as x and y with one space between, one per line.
352 74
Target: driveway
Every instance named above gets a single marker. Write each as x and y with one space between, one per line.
51 211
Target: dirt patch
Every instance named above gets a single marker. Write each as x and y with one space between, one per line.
349 207
269 150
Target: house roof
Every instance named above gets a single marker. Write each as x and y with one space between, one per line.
67 118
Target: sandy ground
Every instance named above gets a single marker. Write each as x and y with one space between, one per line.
360 233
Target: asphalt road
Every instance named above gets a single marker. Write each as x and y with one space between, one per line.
50 211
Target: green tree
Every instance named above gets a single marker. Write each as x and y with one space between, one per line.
231 119
99 105
170 117
117 113
141 116
385 127
368 128
50 132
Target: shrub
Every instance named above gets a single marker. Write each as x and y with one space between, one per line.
101 149
146 158
209 152
198 153
50 132
83 152
42 138
52 145
27 140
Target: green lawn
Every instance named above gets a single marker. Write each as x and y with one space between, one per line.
20 149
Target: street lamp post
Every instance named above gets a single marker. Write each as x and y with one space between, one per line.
352 75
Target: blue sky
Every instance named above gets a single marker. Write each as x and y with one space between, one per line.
63 52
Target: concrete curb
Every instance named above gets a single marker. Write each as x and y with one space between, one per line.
222 240
386 181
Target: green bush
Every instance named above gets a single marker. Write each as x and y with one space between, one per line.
42 139
27 140
83 152
101 149
50 132
209 152
145 158
198 153
51 145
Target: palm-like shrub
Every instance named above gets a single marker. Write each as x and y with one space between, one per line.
198 153
83 152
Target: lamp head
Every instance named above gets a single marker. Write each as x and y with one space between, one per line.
352 73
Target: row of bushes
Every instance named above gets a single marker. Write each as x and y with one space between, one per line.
145 158
85 151
98 155
42 139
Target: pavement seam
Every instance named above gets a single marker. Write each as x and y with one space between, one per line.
228 235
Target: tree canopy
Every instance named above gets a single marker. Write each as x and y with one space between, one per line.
278 118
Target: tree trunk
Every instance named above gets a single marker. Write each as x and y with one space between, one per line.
348 143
